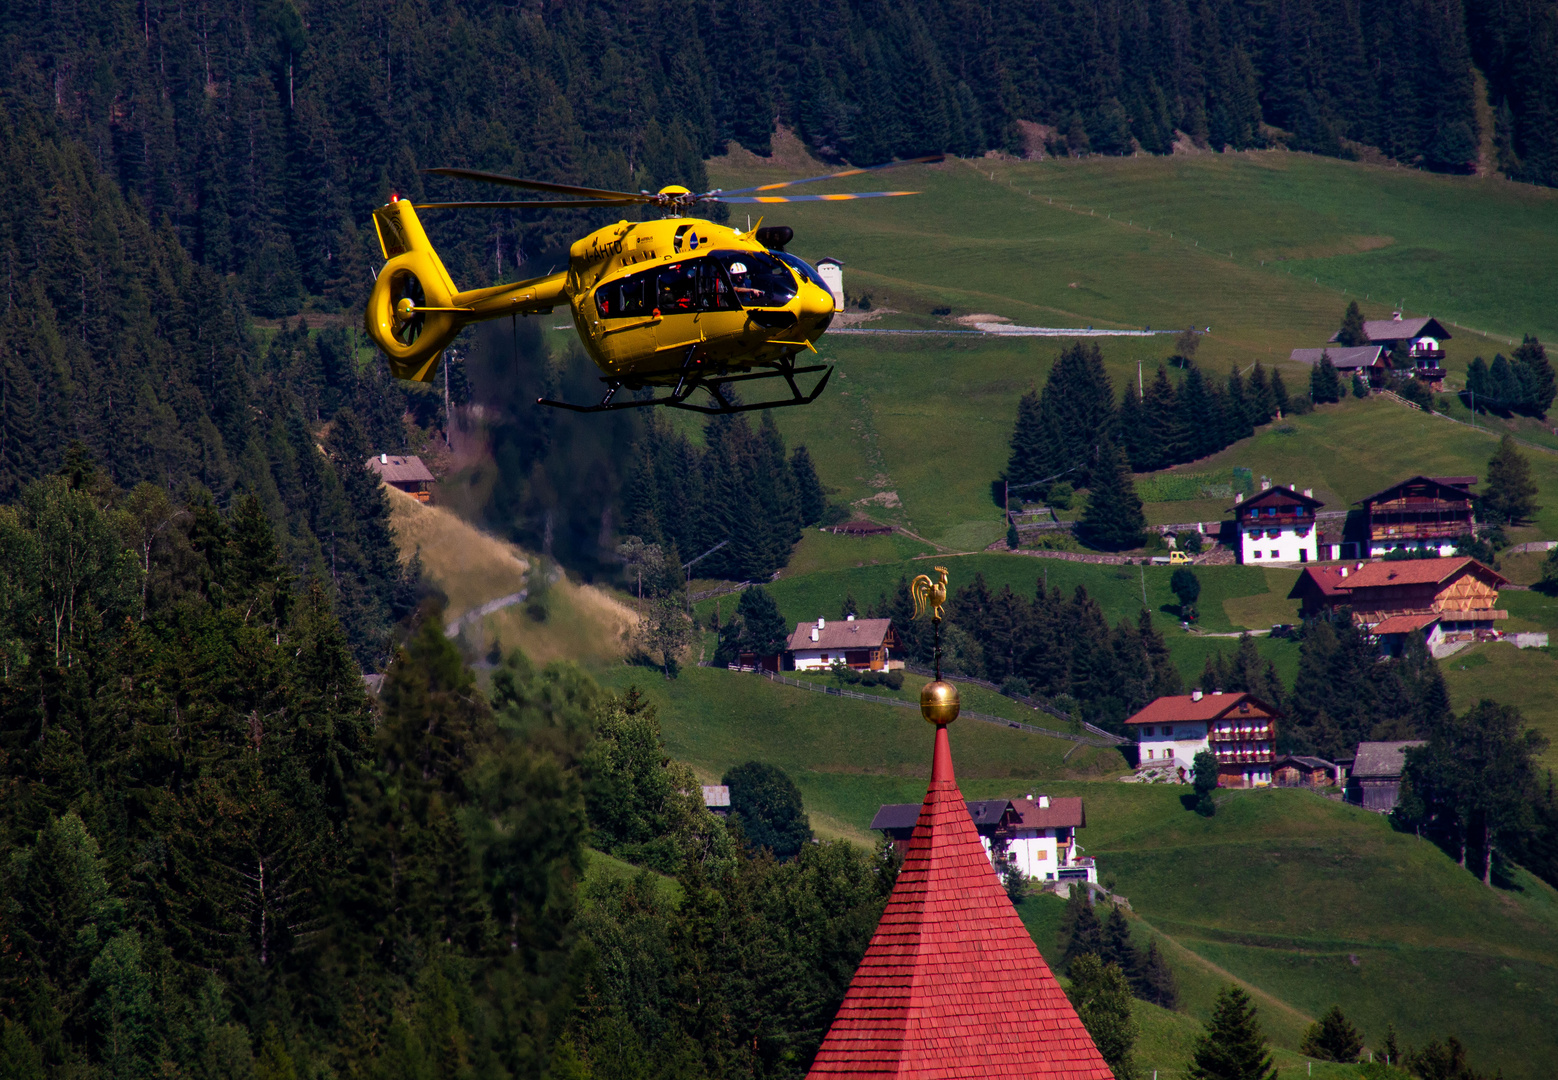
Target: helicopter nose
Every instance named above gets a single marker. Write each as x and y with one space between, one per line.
816 303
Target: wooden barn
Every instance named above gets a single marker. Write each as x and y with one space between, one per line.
1425 513
1442 598
1375 783
1299 770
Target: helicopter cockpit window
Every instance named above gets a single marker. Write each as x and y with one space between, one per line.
803 268
688 286
760 279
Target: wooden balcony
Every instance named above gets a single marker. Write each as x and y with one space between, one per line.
1268 731
1429 374
1417 356
1256 757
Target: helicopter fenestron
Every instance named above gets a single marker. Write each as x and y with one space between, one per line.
676 304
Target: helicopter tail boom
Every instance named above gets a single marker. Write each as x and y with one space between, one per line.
415 310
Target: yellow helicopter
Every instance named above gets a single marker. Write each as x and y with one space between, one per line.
679 303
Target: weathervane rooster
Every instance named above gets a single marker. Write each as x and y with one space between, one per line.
931 593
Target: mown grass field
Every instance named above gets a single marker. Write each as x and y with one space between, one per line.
1521 677
927 418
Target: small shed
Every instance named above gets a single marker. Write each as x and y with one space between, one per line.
406 473
1299 770
1375 783
717 798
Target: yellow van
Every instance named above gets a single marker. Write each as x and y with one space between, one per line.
1178 558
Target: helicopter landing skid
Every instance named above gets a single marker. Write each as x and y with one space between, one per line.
712 385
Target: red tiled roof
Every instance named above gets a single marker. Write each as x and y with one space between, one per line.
1183 708
952 985
841 634
1327 581
1063 812
1415 572
1404 624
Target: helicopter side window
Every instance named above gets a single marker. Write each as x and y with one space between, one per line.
760 280
692 285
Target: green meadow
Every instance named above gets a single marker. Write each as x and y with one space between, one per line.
920 423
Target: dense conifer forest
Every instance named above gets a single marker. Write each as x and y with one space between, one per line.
258 136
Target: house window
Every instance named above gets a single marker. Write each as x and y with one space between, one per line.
1168 733
824 658
1149 754
1147 731
1255 554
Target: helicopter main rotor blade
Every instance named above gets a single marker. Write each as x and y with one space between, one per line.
930 159
807 198
529 204
537 185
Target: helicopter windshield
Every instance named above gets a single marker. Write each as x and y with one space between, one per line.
803 268
688 286
760 279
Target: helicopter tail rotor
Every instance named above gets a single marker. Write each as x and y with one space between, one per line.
415 311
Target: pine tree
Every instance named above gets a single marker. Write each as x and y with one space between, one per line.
1531 358
1509 495
1332 1038
1233 1046
764 631
1101 995
1081 934
811 500
1113 520
1325 386
1164 439
1262 406
1157 984
1279 394
1352 333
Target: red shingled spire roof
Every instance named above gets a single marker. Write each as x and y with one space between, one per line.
952 985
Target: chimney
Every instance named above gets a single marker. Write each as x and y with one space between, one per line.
1217 693
1043 802
1030 796
814 633
849 618
822 624
1265 484
383 459
1238 496
1195 695
1344 571
1309 493
1395 316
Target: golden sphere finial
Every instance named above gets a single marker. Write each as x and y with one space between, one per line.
939 702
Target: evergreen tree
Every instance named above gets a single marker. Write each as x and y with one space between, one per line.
1352 333
1233 1046
1113 519
1325 386
1262 405
764 631
1279 394
1081 933
1509 495
1542 384
1204 777
1332 1038
811 500
1187 587
1157 983
1101 995
1164 437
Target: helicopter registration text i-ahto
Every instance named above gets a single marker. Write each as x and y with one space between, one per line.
676 305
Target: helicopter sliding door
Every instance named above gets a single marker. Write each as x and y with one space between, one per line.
654 315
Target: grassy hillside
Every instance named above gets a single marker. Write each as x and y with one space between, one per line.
1281 890
473 567
927 418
